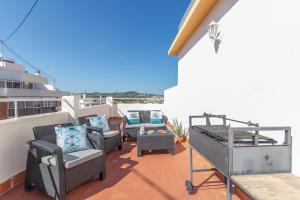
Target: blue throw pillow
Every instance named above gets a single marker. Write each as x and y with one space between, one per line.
72 138
100 122
133 118
156 117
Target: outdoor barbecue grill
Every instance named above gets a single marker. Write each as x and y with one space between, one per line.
238 150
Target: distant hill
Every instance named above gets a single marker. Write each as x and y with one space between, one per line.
129 94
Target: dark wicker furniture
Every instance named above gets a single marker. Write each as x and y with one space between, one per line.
112 138
130 131
55 173
155 141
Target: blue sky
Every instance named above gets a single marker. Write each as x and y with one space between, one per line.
98 45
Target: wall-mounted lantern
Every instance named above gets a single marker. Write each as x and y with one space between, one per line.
214 30
215 34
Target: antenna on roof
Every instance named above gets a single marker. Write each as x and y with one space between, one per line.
2 50
51 78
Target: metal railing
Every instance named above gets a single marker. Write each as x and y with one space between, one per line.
19 107
152 100
89 102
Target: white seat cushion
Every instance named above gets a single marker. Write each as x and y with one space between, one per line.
112 133
75 158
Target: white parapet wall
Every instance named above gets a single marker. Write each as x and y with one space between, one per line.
14 133
255 74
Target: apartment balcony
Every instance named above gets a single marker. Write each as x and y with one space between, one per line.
16 92
21 76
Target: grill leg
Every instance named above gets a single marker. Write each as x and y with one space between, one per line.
191 164
229 189
189 183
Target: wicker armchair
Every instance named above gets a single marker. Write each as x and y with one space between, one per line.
55 173
112 138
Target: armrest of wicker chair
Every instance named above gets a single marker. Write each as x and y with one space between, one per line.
50 148
45 146
165 119
91 129
97 140
125 120
116 125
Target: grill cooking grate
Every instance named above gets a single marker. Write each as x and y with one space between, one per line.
220 133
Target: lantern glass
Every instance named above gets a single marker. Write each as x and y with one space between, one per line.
213 30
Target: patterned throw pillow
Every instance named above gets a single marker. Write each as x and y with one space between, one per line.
72 138
156 117
133 118
100 122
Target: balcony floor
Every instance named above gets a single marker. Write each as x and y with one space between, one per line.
155 175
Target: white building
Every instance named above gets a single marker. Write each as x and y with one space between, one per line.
23 93
253 75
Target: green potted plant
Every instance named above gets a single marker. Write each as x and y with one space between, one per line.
178 130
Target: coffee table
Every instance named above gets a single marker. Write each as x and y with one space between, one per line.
155 141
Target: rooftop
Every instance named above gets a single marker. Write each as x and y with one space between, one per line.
156 175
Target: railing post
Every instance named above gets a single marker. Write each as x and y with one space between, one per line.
110 102
16 108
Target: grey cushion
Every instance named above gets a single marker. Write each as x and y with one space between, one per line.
149 125
111 133
134 125
75 158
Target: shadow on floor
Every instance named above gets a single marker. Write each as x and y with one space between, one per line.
117 168
179 147
208 184
153 185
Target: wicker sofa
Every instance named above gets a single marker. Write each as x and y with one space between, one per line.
112 138
55 173
131 130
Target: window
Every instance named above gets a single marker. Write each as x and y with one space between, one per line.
17 85
9 84
14 84
2 84
11 109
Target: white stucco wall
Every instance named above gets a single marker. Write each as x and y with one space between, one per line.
14 133
255 74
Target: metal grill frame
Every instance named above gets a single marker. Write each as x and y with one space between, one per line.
240 160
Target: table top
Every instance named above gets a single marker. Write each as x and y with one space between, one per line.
155 133
277 186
